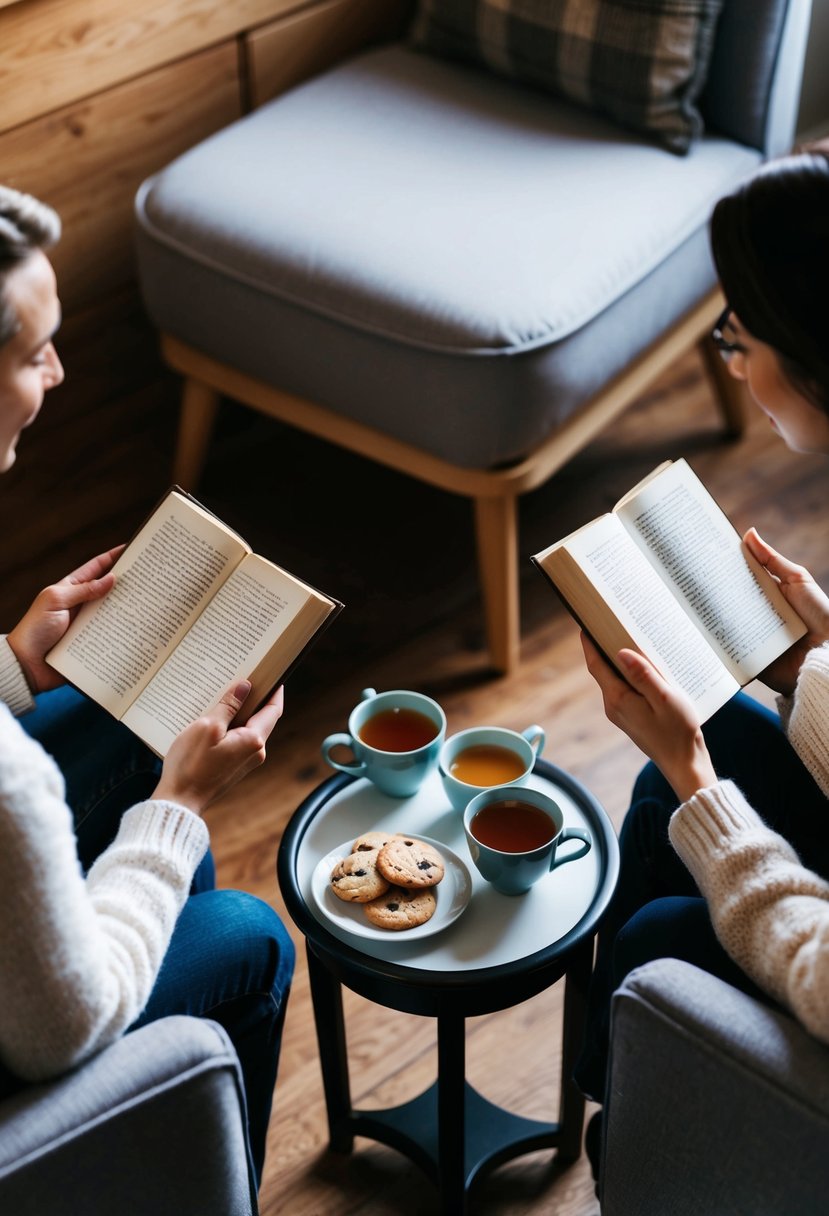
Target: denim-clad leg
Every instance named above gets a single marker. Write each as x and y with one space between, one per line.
230 957
656 910
232 960
107 769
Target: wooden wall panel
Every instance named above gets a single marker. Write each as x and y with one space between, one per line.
301 45
88 159
54 52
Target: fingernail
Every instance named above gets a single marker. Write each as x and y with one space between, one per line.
241 690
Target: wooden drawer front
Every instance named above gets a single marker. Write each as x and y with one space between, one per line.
286 52
54 52
88 160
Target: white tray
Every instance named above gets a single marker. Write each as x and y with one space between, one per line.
494 929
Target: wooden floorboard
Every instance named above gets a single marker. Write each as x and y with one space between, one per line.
401 556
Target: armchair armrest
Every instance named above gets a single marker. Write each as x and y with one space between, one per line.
716 1102
758 52
153 1125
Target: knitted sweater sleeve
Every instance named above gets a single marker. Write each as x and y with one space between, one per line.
14 691
806 715
79 955
770 913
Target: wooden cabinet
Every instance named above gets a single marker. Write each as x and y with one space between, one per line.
97 94
88 158
285 52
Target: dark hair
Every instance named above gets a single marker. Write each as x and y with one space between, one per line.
770 240
26 224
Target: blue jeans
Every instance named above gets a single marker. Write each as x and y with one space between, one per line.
657 910
230 957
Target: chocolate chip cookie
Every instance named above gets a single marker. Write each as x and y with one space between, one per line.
372 840
356 878
407 862
401 908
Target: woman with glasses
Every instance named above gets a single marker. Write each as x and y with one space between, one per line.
109 916
725 848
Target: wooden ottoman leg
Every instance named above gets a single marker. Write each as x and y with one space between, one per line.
199 404
730 394
496 526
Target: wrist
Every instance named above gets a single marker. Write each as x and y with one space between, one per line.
28 674
167 791
698 774
699 781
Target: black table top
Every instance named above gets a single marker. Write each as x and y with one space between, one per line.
469 988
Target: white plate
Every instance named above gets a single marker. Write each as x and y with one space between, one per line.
451 894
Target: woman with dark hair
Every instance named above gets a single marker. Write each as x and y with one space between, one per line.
109 917
725 848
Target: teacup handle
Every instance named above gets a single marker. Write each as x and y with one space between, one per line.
356 770
572 834
368 693
536 738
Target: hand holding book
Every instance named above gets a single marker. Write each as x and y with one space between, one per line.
51 613
211 755
666 574
657 716
806 598
193 610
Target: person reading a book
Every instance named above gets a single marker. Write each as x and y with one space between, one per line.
109 916
725 848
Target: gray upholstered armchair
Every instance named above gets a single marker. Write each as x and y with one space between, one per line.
452 272
717 1105
152 1126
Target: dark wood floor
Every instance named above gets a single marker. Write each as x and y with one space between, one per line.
400 555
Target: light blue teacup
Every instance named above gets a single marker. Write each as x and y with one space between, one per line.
513 873
399 773
526 746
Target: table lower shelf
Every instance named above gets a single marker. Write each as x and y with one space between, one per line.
491 1135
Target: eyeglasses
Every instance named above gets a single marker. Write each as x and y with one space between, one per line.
727 347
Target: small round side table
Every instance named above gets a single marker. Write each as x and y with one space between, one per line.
502 950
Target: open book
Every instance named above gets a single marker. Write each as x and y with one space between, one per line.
665 573
192 610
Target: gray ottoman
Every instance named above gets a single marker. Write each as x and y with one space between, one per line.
442 270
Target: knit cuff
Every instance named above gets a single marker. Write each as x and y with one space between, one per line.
14 690
709 821
166 829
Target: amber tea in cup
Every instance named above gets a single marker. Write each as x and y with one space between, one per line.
514 833
485 764
483 757
512 826
398 730
396 738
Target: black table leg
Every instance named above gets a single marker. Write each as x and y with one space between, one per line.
327 998
571 1106
452 1162
451 1131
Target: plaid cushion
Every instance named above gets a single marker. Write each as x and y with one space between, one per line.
641 62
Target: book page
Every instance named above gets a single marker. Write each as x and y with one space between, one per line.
248 620
737 605
640 485
648 613
163 579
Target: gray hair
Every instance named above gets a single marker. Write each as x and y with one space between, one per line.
26 224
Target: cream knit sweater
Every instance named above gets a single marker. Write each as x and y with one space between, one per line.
78 956
770 913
